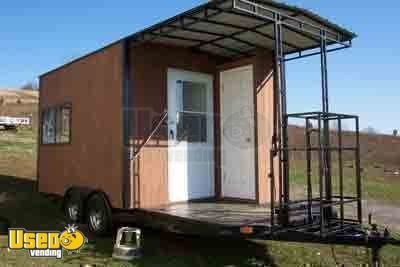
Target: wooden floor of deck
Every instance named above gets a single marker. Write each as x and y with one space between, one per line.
226 214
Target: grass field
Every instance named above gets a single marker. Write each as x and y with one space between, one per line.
32 211
25 208
375 184
18 154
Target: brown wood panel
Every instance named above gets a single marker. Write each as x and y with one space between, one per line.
264 86
149 75
93 86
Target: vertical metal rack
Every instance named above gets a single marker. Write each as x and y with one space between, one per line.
283 207
319 211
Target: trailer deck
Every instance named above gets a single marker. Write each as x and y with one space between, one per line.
223 218
221 213
209 218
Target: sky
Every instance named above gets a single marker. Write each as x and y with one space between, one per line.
37 36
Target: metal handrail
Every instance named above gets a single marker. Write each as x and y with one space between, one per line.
150 136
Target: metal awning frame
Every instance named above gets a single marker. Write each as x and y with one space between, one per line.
253 10
298 26
294 20
320 37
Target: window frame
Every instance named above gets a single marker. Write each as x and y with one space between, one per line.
182 112
56 108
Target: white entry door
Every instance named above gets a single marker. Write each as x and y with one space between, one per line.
237 124
191 142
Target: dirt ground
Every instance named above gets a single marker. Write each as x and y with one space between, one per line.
384 214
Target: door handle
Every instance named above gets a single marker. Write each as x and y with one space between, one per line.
248 140
171 135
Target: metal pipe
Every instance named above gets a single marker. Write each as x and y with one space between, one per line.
326 132
340 159
358 172
284 162
314 54
309 183
324 74
272 190
150 136
321 179
277 115
285 158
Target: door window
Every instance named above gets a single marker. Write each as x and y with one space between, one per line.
192 115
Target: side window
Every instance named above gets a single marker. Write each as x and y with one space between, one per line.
56 128
48 127
63 116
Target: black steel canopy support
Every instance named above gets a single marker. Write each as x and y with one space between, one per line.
280 88
325 134
301 54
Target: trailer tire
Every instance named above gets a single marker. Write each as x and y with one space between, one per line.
99 214
73 207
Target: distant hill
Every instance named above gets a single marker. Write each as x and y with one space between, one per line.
8 96
20 103
377 150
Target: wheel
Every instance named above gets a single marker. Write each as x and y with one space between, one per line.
99 215
73 207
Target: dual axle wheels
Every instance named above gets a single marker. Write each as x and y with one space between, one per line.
93 210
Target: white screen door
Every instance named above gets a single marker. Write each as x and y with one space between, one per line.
190 130
237 140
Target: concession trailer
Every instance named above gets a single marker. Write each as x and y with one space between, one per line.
184 126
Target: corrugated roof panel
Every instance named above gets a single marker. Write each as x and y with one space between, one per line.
220 11
298 39
226 4
193 35
230 43
169 41
290 38
217 51
240 21
257 39
214 28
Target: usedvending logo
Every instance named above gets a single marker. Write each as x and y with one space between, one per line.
46 244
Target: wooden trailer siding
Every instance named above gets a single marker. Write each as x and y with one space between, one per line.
93 86
149 85
264 87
